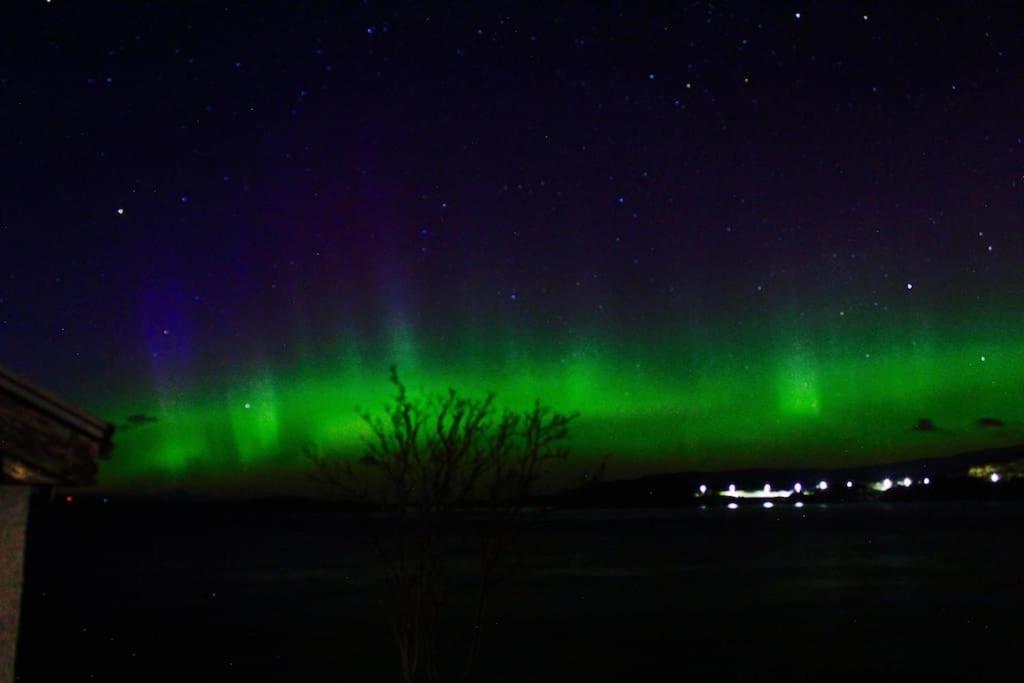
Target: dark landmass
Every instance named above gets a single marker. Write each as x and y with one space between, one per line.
949 480
639 580
855 592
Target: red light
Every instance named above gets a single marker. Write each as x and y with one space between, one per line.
69 499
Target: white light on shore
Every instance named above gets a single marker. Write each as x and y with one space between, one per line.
798 487
767 488
907 481
703 489
886 484
756 493
926 481
849 484
732 488
822 485
994 478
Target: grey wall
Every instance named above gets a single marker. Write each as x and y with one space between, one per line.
13 516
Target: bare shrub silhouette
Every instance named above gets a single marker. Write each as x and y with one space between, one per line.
431 463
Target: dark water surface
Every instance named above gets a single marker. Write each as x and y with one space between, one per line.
851 592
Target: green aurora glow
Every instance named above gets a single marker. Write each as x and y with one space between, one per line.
779 395
725 235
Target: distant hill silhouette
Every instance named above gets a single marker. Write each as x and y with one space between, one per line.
679 487
668 489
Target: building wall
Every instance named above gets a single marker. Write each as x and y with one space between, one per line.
13 517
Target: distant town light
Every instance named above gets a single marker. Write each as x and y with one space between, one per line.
822 485
798 487
732 488
703 489
886 484
734 492
907 481
995 477
926 481
849 484
767 488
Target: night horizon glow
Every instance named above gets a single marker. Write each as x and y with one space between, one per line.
653 407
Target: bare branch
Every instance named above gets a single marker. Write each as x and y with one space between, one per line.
428 461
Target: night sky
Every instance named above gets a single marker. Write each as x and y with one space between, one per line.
728 234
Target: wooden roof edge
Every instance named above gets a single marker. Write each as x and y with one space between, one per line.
44 401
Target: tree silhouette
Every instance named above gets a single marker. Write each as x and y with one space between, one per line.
430 463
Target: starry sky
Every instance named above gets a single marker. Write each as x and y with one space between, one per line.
728 234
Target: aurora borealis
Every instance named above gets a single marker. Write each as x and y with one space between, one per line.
667 410
726 235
